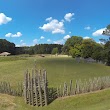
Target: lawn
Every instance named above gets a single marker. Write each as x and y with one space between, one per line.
93 101
59 69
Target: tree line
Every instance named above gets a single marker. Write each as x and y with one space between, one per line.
75 46
6 46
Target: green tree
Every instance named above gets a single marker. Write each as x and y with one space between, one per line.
107 46
55 51
107 53
71 42
97 52
107 31
76 51
87 48
6 46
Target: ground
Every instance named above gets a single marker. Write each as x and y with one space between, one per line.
59 69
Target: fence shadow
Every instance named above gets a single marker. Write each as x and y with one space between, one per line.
52 94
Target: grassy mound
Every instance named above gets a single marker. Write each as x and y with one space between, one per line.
7 102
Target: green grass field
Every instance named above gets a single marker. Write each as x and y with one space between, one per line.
59 69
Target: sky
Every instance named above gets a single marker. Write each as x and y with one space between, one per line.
30 22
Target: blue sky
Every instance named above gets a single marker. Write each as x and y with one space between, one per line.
30 22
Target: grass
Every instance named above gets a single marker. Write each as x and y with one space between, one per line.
59 69
94 101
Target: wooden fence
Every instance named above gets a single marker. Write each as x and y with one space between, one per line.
6 88
35 88
83 87
36 92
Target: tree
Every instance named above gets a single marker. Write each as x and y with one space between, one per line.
107 31
55 51
97 52
6 46
76 51
107 45
87 48
71 42
107 53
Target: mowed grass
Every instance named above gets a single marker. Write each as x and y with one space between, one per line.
59 70
99 100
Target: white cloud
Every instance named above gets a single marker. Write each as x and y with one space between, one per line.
69 32
21 45
68 16
86 37
42 37
18 34
54 26
87 28
59 41
8 35
100 42
48 40
98 32
4 19
66 37
21 40
49 19
35 41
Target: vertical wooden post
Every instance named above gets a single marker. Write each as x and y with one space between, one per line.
40 89
45 88
36 87
32 89
26 87
70 87
29 87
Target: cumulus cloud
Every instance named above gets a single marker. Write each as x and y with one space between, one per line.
54 26
98 32
66 37
87 28
49 19
48 40
42 37
18 34
59 41
22 43
68 16
86 37
4 19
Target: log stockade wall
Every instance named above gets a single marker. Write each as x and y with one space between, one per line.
35 88
6 88
36 92
80 87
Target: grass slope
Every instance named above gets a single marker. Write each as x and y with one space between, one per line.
94 101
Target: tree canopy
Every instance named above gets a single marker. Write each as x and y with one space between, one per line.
6 46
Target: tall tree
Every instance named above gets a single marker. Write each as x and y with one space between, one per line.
71 42
107 45
87 47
